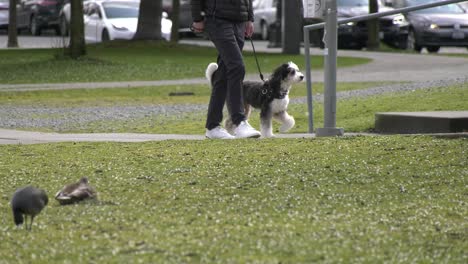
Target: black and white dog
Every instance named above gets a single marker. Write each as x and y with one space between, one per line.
270 97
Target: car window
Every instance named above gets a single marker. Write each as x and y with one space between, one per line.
94 9
445 9
256 3
121 9
262 4
352 2
86 9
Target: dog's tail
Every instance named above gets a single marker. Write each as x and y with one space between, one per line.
212 67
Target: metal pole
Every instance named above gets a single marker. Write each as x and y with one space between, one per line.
308 80
331 40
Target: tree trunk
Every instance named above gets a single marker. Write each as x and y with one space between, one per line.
292 14
175 20
149 20
12 28
77 41
373 40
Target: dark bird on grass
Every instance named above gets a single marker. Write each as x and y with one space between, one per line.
76 192
27 201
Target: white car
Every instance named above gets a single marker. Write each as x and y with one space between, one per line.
264 15
112 20
65 17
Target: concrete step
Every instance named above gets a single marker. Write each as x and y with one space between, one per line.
421 122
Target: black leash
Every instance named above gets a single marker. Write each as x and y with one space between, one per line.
256 60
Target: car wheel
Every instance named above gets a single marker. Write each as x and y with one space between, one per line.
433 49
105 36
64 26
411 43
264 31
34 27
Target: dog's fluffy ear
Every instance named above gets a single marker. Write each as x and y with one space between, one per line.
281 72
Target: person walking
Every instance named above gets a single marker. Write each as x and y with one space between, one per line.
227 23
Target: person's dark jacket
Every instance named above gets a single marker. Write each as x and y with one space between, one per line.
232 10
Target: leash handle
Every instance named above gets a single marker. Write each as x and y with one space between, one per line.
256 60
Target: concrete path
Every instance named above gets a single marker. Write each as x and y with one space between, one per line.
18 137
10 136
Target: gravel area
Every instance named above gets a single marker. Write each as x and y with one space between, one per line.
59 119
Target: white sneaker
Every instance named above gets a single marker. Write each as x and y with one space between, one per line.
218 133
245 130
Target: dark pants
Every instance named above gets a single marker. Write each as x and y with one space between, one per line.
228 37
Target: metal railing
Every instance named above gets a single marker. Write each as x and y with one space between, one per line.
330 62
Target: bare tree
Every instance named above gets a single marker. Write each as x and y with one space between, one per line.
12 29
175 20
373 40
77 46
149 20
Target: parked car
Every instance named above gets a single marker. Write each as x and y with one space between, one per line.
111 20
185 16
37 15
265 16
65 17
432 28
4 14
355 34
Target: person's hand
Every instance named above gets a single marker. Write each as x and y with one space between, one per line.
198 27
249 29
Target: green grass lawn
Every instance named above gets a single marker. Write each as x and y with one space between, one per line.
382 199
385 199
131 61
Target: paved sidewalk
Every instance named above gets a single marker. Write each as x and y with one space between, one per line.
10 136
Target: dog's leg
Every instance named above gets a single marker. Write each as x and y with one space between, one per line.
287 121
247 110
266 128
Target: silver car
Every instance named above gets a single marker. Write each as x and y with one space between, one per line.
432 28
